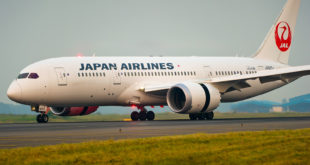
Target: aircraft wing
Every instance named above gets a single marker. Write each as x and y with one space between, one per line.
237 82
264 76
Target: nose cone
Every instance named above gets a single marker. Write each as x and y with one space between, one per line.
14 92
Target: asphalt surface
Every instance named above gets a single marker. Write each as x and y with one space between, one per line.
20 135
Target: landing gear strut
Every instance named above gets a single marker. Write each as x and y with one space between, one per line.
142 115
42 118
201 116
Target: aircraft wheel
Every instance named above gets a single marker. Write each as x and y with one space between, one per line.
134 116
39 118
209 115
142 115
192 116
201 116
44 118
150 115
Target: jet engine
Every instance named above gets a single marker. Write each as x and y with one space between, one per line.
73 111
193 98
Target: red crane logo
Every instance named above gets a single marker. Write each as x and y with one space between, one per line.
283 36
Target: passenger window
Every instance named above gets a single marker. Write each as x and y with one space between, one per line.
23 75
33 76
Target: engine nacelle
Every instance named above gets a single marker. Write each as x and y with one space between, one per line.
193 98
73 111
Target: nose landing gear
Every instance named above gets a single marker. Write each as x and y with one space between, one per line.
42 118
142 115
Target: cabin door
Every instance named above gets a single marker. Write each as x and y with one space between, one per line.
61 76
208 72
116 78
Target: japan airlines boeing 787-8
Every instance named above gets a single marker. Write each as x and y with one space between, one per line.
196 86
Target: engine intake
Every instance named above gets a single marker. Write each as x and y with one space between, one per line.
73 111
193 98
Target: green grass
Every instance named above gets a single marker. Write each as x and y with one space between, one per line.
159 116
264 147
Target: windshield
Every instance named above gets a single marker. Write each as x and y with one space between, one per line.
22 75
33 76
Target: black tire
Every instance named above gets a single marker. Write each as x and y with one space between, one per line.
209 115
192 116
134 116
142 115
150 115
39 118
44 118
201 116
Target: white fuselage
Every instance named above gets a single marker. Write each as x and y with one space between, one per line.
99 81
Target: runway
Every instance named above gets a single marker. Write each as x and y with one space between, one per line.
20 135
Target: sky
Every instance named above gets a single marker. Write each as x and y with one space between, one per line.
34 30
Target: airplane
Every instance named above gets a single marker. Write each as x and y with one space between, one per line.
71 86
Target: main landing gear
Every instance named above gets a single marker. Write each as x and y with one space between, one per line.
42 118
201 116
142 115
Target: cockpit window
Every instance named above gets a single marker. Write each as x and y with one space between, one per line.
33 76
22 75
